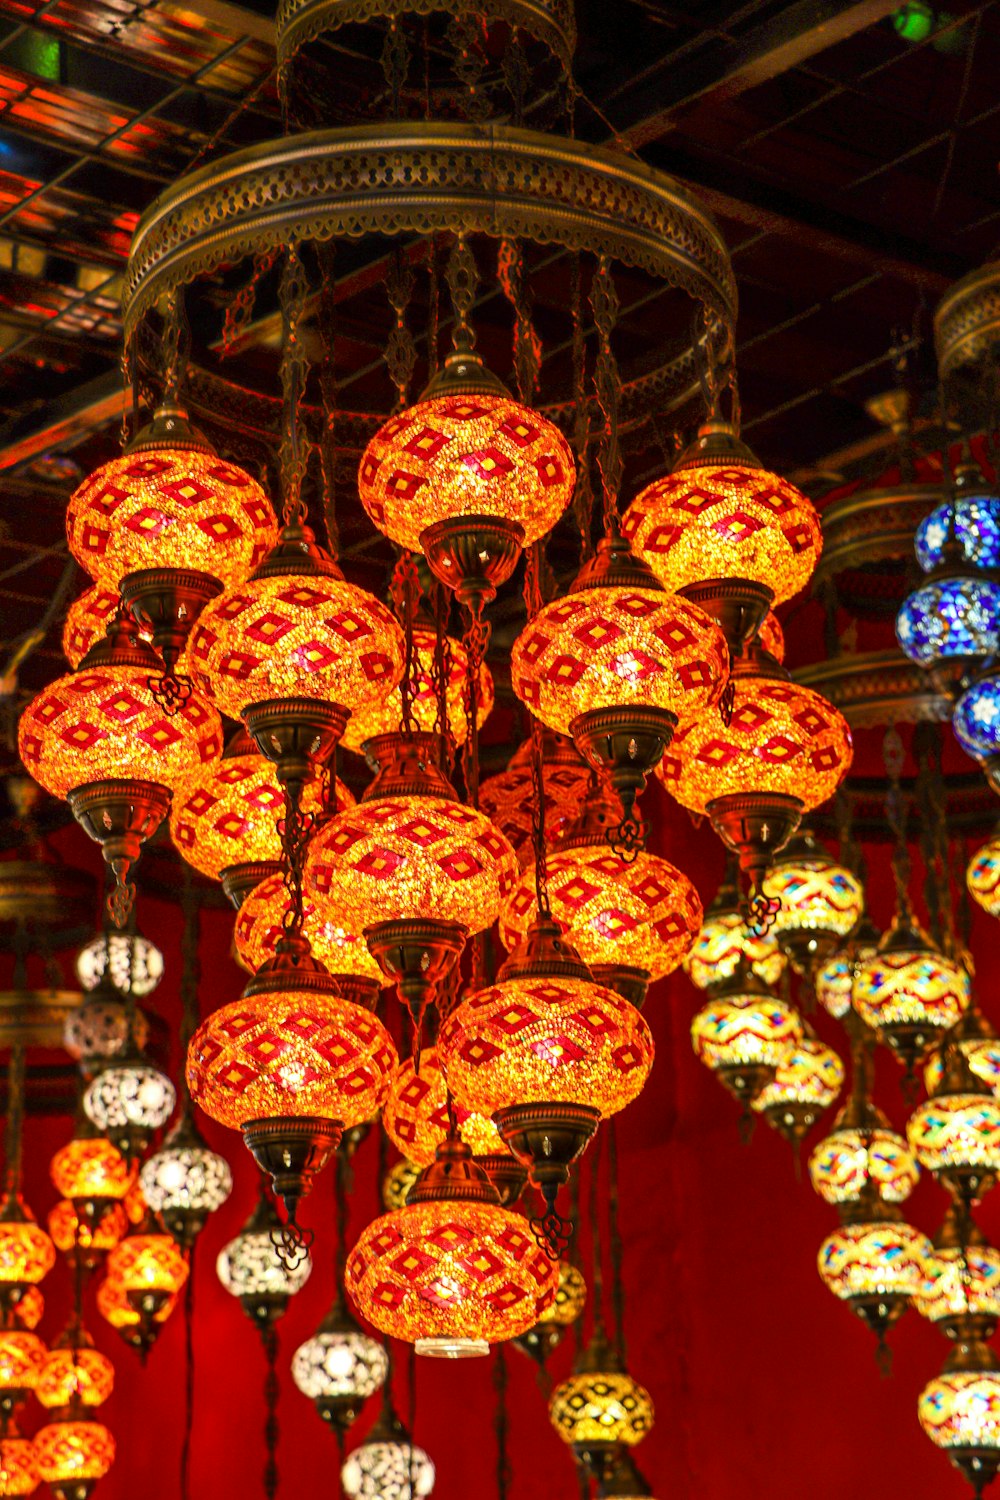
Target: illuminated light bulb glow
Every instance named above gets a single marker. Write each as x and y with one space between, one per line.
961 1409
83 1375
603 1406
186 1179
415 1114
90 1167
457 455
555 1039
386 715
249 1266
341 1365
148 1263
974 523
133 964
614 647
287 636
71 1451
260 924
387 1470
115 1308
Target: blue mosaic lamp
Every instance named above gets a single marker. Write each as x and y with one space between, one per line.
976 722
973 518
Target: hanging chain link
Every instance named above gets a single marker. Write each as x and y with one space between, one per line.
527 344
272 1391
293 452
607 387
533 603
893 757
501 1423
240 309
583 492
462 277
395 60
404 590
329 392
400 349
433 304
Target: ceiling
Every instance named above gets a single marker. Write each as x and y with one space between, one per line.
853 173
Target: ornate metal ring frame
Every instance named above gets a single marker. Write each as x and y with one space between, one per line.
876 688
967 321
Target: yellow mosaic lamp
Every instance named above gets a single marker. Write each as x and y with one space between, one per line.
600 1410
961 1290
397 1182
819 902
875 1262
743 1034
983 876
150 1270
833 981
806 1081
450 1272
909 991
956 1132
386 715
862 1160
960 1412
726 937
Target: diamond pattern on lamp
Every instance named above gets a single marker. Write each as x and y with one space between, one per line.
410 857
703 522
645 915
260 923
282 1053
611 647
445 458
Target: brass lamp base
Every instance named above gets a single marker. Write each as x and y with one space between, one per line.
968 1184
298 734
72 1489
239 880
744 1081
755 825
598 1459
793 1120
508 1175
908 1041
292 1150
978 1466
120 816
167 601
473 555
359 989
540 1341
548 1137
879 1313
631 984
416 955
147 1303
624 744
739 607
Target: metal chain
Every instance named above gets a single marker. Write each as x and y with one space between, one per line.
190 973
527 344
329 393
533 603
400 350
893 755
441 674
14 1136
404 590
395 60
293 452
463 280
240 309
175 343
583 493
607 388
185 1460
294 832
615 1239
433 304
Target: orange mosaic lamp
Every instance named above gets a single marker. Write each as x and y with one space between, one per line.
725 938
18 1463
956 1132
22 1356
169 523
150 1270
601 1410
27 1254
806 1081
507 799
74 1373
411 867
260 926
548 1053
74 1235
468 476
618 664
386 715
87 621
415 1114
743 1034
784 751
224 815
451 1272
960 1412
294 651
726 532
29 1309
983 876
290 1064
101 738
630 922
909 991
72 1455
819 902
876 1264
117 1310
92 1173
567 1306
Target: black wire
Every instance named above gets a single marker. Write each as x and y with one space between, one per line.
188 1378
271 1429
500 1423
412 1424
617 1279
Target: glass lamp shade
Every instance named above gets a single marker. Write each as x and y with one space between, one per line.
415 1114
453 455
959 1284
507 799
614 647
130 1093
73 1451
78 1375
881 1259
29 1309
810 1075
90 1167
983 876
957 1133
723 940
259 926
949 619
227 812
771 637
103 723
386 715
732 520
18 1464
450 1276
819 902
290 1052
644 915
131 962
751 1030
909 991
70 1232
310 635
976 720
99 1029
782 739
601 1406
850 1158
143 1263
87 621
27 1254
570 1298
834 982
22 1357
557 1039
169 504
960 1412
410 857
249 1267
397 1182
185 1179
982 1054
340 1364
387 1468
116 1309
974 523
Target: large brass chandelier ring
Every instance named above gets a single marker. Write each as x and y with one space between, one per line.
404 179
967 320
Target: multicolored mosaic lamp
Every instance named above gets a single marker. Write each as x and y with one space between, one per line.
956 1133
806 1082
834 980
971 519
976 722
875 1262
743 1034
960 1412
601 1410
726 937
819 902
727 533
983 876
618 663
961 1290
909 991
450 1272
978 1043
